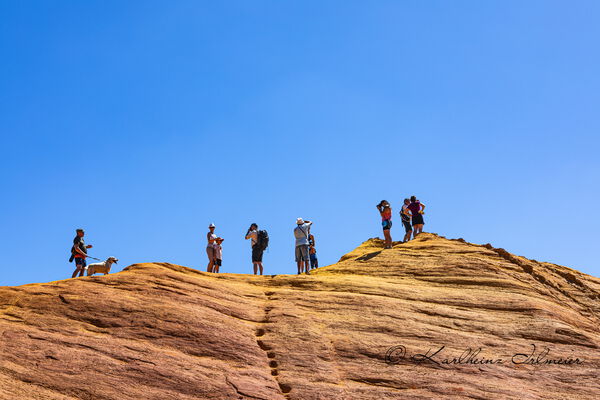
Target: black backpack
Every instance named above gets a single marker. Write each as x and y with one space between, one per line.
262 240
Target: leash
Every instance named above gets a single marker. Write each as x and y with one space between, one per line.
93 258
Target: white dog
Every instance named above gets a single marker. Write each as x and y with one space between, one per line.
101 267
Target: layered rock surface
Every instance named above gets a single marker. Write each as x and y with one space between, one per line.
161 331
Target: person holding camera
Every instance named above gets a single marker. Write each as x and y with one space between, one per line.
301 232
385 210
257 251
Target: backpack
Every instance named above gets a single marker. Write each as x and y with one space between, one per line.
262 240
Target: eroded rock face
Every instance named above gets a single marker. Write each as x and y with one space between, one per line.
161 331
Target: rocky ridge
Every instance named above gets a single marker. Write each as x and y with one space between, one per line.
362 328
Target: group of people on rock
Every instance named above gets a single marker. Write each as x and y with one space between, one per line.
305 251
412 219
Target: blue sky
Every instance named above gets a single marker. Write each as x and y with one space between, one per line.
144 121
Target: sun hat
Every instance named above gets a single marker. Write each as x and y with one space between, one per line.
211 226
299 221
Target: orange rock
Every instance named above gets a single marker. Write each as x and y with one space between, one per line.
161 331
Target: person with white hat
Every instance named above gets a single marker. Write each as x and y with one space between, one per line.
210 247
301 232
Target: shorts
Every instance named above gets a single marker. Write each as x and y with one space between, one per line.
80 262
387 224
302 253
211 252
417 220
407 226
257 254
218 261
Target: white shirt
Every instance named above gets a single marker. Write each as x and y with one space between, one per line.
301 234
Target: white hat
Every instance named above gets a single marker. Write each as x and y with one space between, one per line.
211 225
299 221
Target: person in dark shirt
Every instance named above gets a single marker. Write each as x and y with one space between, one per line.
405 214
416 209
79 252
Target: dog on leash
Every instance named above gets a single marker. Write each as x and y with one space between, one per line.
101 267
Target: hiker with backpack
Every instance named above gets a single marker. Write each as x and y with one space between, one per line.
405 215
259 240
79 253
301 232
416 209
385 210
210 247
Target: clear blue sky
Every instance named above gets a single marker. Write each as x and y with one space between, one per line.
144 121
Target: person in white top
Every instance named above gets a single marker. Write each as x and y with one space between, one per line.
210 247
218 254
301 232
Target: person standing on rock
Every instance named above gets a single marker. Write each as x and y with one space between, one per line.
385 210
417 210
257 250
210 247
218 254
79 252
301 232
312 251
405 214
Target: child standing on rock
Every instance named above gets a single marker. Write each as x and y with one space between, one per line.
312 252
218 254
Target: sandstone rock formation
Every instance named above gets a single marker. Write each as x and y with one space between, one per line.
161 331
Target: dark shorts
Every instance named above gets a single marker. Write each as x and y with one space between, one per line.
218 262
257 254
417 220
387 224
80 262
302 253
407 226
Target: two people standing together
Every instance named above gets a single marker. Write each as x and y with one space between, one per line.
306 254
412 219
214 250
